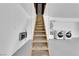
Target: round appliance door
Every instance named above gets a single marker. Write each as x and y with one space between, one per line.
60 34
68 34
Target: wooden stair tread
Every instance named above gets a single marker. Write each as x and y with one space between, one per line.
40 48
39 35
39 31
40 41
39 25
40 53
40 28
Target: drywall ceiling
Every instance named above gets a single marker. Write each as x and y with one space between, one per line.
63 10
29 8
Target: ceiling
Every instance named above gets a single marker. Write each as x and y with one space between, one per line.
64 10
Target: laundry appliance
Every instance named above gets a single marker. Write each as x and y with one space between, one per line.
68 35
59 35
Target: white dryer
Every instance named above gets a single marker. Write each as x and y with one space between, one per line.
68 35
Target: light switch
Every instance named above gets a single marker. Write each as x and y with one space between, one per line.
22 35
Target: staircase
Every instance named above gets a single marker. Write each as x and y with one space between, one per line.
40 42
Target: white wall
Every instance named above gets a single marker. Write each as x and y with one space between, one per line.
66 16
29 8
13 20
66 26
62 25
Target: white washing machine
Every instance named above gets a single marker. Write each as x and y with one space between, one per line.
59 35
68 35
